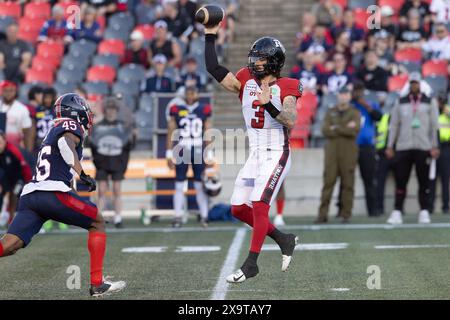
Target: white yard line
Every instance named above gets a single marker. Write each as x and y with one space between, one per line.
221 288
412 246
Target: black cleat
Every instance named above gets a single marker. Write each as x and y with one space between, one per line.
245 272
287 247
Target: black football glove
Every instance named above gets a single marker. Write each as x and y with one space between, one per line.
89 181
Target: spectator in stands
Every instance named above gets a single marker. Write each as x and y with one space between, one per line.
162 44
413 35
104 7
440 11
231 11
111 143
355 32
340 127
308 22
326 12
422 6
317 43
56 28
89 27
148 11
15 55
35 98
136 53
438 47
342 45
45 114
413 132
374 77
178 25
443 162
159 82
18 120
387 25
384 53
308 73
338 78
190 76
370 114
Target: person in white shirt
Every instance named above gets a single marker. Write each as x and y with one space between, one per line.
440 10
438 47
18 120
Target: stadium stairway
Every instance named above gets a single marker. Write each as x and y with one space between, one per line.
257 18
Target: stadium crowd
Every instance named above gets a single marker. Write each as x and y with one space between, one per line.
384 66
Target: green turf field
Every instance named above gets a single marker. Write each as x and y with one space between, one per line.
39 272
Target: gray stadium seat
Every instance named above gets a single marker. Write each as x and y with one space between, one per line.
97 87
371 96
146 101
438 84
389 102
5 21
83 48
121 20
328 101
111 60
70 75
129 101
111 33
144 122
62 88
411 66
126 88
131 72
352 4
70 62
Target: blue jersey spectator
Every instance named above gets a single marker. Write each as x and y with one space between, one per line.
158 82
56 28
89 27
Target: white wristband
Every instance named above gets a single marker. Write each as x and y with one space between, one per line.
169 154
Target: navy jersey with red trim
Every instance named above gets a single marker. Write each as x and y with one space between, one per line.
190 120
50 163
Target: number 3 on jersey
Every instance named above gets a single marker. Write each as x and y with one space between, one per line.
258 120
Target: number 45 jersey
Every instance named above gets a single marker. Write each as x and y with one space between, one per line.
264 132
52 172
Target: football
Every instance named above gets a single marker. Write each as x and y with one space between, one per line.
210 15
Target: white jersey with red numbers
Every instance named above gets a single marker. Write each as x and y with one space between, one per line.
264 132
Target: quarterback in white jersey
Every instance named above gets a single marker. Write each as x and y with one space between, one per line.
269 109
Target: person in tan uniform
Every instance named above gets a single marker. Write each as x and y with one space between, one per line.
341 126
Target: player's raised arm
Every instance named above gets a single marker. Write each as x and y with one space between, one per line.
226 78
67 146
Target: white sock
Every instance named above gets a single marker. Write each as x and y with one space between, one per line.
178 199
202 199
117 218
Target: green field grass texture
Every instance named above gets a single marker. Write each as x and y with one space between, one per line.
39 271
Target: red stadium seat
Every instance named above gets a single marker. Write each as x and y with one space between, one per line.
44 63
101 73
147 30
308 100
37 10
101 20
10 8
112 46
342 3
435 68
29 28
394 4
44 76
396 83
361 16
50 49
408 54
65 5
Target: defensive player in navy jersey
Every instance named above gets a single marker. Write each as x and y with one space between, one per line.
49 195
187 125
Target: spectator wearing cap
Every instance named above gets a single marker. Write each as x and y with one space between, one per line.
370 114
89 28
162 44
374 77
425 88
356 33
422 6
159 82
387 25
439 10
18 119
339 77
326 12
56 28
148 11
15 55
413 140
438 46
111 142
340 127
443 162
136 53
190 76
413 35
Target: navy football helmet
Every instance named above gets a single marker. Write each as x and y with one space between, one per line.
270 49
71 105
